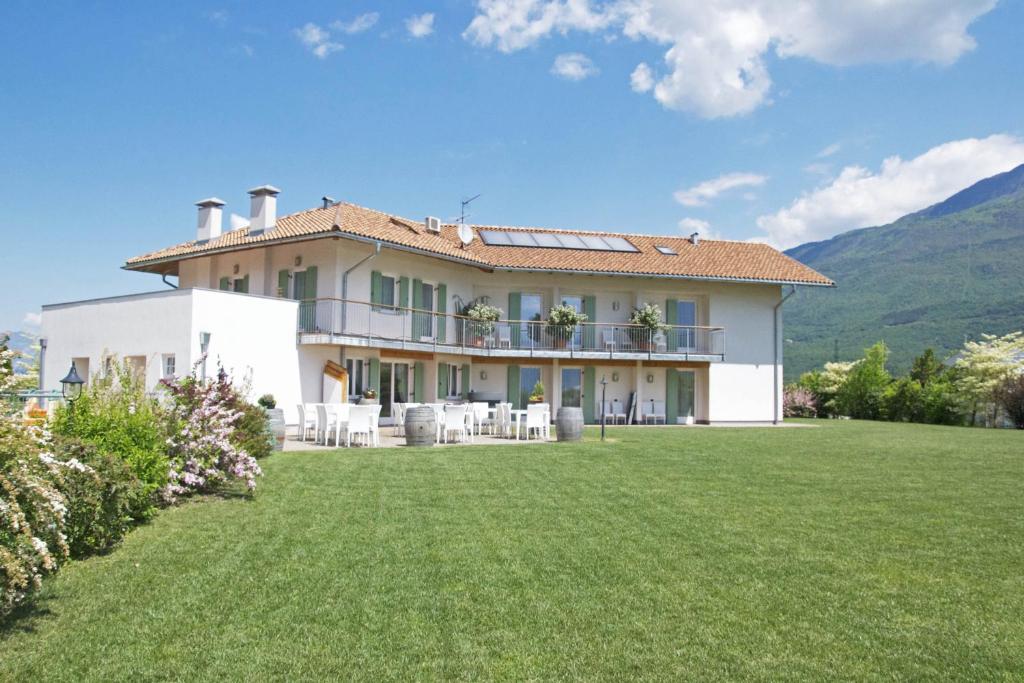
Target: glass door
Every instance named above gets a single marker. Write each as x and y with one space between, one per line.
687 397
528 378
577 303
386 389
686 314
572 387
394 387
530 312
427 296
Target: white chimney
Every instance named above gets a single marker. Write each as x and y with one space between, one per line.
263 215
210 214
695 239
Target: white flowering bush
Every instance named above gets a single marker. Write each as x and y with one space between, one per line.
202 445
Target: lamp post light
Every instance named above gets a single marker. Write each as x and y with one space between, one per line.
71 389
604 411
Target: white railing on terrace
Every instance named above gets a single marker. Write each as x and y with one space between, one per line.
391 324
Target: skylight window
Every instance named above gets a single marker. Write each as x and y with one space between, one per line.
667 251
555 240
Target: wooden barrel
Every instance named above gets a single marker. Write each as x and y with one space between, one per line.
420 426
275 417
569 424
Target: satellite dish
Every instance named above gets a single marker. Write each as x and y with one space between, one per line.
465 234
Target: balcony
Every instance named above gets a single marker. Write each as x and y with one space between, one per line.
358 323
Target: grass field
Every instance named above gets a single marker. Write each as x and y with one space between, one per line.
851 550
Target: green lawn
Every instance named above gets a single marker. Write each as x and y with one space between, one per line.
851 550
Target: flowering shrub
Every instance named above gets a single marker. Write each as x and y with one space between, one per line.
201 445
798 402
115 414
32 516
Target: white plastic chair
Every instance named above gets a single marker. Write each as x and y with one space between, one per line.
359 423
398 416
455 421
536 420
504 336
339 412
618 411
307 421
608 335
482 417
656 411
325 422
375 422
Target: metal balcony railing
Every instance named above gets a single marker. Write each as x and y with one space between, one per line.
412 328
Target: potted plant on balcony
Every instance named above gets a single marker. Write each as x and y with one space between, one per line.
646 321
562 321
369 397
537 393
482 318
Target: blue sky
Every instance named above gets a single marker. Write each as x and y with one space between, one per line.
117 117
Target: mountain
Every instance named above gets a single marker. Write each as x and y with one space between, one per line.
24 343
932 278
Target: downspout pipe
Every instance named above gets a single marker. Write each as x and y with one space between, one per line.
169 284
775 354
344 283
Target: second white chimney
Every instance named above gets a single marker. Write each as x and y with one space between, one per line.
210 217
263 215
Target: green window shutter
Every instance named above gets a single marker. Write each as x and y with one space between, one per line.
311 282
671 395
375 287
671 318
589 331
403 292
515 311
589 395
513 386
442 307
245 284
417 303
417 382
466 371
225 283
442 381
374 379
282 283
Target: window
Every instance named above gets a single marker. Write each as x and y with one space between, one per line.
667 251
453 380
169 365
388 296
241 285
354 366
448 380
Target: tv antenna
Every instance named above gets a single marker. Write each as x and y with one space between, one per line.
465 231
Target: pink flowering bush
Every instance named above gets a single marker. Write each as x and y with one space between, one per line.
798 402
203 443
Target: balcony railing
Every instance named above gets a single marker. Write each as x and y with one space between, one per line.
396 326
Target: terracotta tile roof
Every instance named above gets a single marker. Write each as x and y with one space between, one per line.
711 259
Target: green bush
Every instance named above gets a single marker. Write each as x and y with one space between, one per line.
116 415
862 394
252 431
103 496
903 401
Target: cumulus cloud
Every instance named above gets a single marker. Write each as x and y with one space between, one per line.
642 78
318 40
363 22
701 193
573 66
32 319
421 25
859 197
715 51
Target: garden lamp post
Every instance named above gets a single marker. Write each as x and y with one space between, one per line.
604 413
71 389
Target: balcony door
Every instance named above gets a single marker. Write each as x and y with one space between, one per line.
572 387
394 387
682 312
577 304
530 312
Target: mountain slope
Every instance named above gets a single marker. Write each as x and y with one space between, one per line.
932 278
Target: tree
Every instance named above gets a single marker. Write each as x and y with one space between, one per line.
903 400
926 367
984 365
825 385
861 395
1010 395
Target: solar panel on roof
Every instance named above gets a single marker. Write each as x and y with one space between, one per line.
595 242
545 239
571 241
522 239
495 237
619 243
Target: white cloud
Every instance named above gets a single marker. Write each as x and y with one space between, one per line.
318 40
363 22
420 26
701 193
688 226
716 50
859 197
32 319
573 66
829 151
642 78
219 16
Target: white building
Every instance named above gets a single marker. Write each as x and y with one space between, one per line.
285 299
